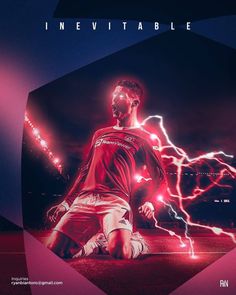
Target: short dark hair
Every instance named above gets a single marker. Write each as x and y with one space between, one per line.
132 85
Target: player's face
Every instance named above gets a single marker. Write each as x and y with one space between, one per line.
121 102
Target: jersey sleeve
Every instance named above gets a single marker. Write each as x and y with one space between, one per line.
78 183
158 185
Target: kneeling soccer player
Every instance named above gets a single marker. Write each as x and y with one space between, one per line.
100 196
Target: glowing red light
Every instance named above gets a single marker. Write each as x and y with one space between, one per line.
153 136
56 161
137 177
35 131
43 144
160 198
26 118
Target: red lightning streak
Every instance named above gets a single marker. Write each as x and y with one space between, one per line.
42 143
180 160
191 249
140 179
171 233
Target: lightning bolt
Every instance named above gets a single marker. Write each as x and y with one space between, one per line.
178 157
170 232
176 216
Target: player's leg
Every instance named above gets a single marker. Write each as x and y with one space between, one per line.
122 242
117 229
72 233
98 244
138 245
116 222
62 245
119 244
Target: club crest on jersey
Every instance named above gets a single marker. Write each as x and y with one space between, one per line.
129 138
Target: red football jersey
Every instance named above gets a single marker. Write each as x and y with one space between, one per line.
115 157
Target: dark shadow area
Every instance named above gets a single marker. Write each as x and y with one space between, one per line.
13 260
151 10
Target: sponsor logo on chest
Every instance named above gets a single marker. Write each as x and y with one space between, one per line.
102 141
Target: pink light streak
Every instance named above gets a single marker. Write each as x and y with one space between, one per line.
191 249
170 232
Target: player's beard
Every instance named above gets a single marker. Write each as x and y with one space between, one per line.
120 112
116 114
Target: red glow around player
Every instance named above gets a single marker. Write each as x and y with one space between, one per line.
56 161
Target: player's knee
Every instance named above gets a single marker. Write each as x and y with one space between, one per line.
120 250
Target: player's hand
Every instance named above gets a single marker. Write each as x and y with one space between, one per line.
147 210
56 212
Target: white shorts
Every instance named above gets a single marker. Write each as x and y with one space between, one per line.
90 213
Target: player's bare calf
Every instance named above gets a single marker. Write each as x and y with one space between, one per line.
61 245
